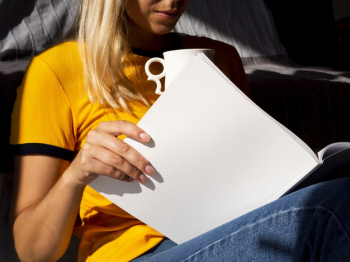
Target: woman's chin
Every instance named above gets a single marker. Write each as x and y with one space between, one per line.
162 31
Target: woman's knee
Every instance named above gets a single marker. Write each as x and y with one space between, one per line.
333 195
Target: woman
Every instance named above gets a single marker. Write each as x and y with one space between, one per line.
77 102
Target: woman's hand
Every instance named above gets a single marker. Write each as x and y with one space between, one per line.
105 154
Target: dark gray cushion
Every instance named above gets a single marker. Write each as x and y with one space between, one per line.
30 26
245 24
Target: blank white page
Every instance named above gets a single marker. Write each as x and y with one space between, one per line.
217 156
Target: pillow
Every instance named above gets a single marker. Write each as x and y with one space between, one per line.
245 24
28 26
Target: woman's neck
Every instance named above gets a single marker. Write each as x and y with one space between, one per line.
144 40
149 42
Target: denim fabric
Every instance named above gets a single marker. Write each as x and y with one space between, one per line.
312 224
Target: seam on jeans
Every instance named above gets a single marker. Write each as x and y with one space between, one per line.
336 219
265 218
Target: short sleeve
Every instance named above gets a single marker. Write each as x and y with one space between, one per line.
42 119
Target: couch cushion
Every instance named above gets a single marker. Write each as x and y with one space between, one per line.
30 26
245 24
311 102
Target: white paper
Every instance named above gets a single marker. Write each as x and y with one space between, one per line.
217 156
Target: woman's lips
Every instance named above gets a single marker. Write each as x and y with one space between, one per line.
168 14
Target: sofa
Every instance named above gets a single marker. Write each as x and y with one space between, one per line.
306 91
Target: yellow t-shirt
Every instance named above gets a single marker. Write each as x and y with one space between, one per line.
52 116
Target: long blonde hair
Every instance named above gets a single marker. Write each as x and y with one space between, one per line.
103 44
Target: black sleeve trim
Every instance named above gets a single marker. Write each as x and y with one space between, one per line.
43 149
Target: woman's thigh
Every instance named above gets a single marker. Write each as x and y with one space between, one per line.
312 224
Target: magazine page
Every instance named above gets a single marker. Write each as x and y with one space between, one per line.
332 149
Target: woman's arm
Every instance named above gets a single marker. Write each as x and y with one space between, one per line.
47 190
45 207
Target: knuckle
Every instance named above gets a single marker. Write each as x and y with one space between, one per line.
92 133
135 173
123 177
109 170
102 126
117 160
86 148
120 124
135 132
141 162
123 147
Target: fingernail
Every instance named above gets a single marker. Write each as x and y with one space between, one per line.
143 178
149 170
145 137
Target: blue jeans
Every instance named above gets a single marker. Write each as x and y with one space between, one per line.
312 224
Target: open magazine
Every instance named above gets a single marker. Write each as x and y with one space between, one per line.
217 155
335 162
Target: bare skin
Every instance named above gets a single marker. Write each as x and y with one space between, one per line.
151 20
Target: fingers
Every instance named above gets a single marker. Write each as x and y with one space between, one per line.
129 129
121 154
105 154
95 168
116 166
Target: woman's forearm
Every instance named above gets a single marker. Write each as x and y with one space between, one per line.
42 232
46 203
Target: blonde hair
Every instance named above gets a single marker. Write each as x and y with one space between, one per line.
103 44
